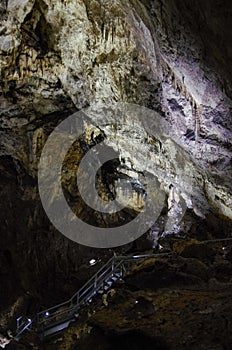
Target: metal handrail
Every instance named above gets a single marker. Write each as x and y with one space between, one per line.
47 317
67 309
78 294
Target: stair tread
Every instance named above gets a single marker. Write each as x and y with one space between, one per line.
55 329
50 327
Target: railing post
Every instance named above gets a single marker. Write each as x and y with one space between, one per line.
95 283
45 318
123 269
18 322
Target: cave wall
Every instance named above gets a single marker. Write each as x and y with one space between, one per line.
57 57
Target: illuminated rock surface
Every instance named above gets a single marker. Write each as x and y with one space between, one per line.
57 57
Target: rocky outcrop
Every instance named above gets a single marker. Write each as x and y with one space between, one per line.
58 57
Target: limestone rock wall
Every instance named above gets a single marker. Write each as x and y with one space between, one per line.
57 57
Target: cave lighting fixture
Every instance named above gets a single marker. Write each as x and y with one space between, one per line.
92 262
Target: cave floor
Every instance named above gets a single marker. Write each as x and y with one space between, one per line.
179 302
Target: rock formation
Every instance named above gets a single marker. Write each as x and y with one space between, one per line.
58 57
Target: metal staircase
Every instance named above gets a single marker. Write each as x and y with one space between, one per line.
57 318
53 320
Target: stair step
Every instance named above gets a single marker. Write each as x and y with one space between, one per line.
55 329
109 283
103 279
114 278
101 291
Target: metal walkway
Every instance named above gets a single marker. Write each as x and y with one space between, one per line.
57 318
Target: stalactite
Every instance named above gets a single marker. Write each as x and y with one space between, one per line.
38 142
196 121
42 66
185 91
103 32
112 33
202 126
32 156
181 88
174 82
